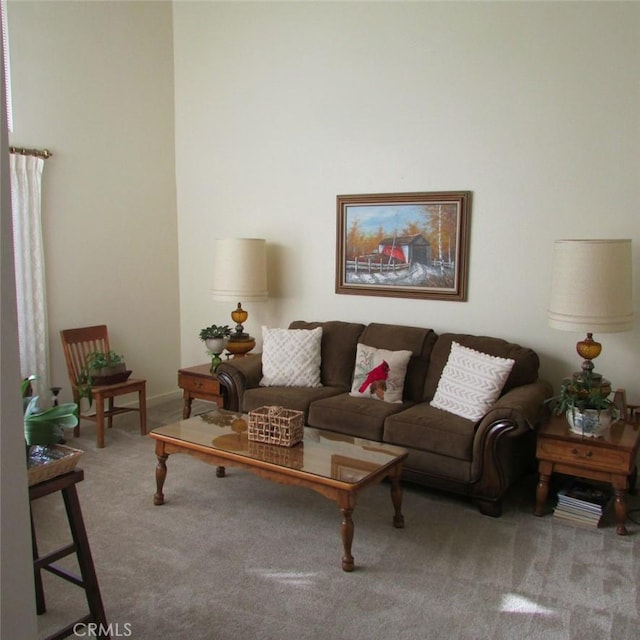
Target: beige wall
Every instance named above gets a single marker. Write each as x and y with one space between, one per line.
93 82
279 107
534 107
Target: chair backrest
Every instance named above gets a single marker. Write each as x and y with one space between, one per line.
77 344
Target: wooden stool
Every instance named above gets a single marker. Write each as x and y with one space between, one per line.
80 546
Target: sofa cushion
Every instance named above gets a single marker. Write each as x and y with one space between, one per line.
291 357
427 428
379 373
338 350
298 398
357 417
525 368
471 382
418 340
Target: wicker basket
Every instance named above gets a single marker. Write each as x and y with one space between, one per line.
276 425
44 464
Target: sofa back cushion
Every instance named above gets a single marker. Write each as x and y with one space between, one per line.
338 350
525 368
398 338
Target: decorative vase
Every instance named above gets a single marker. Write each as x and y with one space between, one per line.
590 422
215 346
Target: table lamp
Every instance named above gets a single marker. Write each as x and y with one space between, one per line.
239 273
591 291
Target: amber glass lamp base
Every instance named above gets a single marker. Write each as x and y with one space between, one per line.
590 349
240 348
240 343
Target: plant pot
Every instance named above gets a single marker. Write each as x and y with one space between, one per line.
109 375
590 422
215 346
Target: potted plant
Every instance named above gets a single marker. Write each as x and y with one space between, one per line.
105 367
44 427
216 338
43 433
585 403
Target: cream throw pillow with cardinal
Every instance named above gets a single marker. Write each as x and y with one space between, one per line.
379 374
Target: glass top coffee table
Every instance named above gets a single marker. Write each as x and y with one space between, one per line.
336 466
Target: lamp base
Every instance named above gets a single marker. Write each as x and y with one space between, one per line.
241 347
596 380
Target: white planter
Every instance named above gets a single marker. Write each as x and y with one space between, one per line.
216 345
590 422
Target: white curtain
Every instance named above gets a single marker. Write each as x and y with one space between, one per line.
26 182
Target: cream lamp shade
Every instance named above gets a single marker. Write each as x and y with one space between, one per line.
239 274
239 269
591 290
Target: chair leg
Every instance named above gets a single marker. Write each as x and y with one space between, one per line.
110 413
99 400
142 395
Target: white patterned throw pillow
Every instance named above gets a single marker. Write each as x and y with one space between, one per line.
291 357
379 373
471 382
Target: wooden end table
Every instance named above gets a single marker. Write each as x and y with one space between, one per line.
198 382
608 458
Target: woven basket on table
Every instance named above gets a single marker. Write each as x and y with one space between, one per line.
65 460
276 425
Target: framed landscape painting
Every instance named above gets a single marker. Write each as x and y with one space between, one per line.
404 245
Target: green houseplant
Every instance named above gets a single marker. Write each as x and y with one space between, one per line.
101 367
45 427
215 331
104 363
586 404
215 337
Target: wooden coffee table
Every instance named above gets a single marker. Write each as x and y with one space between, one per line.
336 466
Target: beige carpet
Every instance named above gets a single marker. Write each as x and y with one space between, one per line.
240 558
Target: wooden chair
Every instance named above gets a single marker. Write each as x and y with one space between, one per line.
77 344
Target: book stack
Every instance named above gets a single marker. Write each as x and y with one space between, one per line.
583 503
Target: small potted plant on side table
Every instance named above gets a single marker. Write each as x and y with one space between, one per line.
216 338
586 404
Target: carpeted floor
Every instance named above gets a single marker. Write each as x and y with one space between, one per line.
241 558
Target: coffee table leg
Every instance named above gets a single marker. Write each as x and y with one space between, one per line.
347 538
396 497
161 474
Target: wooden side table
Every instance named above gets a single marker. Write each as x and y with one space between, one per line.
80 546
198 382
608 458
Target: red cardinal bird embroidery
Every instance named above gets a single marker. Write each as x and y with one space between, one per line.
381 372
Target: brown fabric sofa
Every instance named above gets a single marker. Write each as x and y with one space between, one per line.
480 459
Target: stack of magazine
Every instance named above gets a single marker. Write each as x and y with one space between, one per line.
583 503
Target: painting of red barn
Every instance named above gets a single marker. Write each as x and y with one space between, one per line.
410 245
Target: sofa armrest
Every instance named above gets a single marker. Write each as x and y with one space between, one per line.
237 375
524 405
504 442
